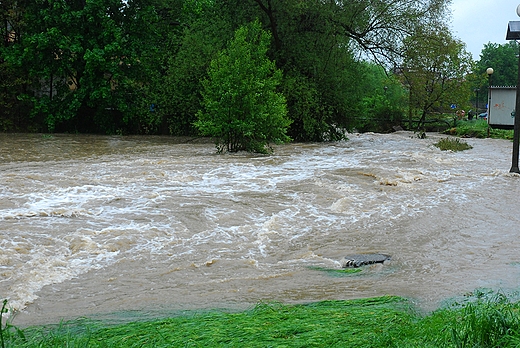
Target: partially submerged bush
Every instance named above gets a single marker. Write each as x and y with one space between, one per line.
453 144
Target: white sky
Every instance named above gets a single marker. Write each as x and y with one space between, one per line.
478 22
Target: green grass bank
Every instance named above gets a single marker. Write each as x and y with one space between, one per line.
478 129
480 320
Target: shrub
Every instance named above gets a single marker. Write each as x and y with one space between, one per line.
241 107
453 144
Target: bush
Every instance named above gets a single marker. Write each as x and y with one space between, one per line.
453 144
241 107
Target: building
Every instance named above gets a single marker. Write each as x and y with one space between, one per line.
501 113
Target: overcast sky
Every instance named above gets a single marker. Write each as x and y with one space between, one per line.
478 22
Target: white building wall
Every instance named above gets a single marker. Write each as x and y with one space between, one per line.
502 104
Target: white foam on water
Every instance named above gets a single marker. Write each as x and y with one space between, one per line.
64 219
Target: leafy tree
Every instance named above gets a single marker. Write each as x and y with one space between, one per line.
504 61
204 35
318 44
13 113
318 67
503 58
84 62
136 66
241 106
383 103
435 68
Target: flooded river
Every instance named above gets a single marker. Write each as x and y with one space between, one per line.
134 226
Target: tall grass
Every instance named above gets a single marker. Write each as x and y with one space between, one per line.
486 322
386 321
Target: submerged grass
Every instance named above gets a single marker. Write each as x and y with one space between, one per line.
386 321
333 272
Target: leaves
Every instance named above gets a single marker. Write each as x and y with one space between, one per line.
81 60
435 68
241 106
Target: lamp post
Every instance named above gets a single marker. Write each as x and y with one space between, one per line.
476 103
513 33
489 72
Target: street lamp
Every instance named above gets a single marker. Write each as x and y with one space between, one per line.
489 72
513 33
476 103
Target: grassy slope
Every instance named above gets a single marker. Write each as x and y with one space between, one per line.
479 129
376 322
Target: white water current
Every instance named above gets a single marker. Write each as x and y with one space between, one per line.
96 225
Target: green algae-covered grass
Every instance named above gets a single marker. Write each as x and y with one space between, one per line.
333 272
375 322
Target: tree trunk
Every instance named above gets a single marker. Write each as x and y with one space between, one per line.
272 21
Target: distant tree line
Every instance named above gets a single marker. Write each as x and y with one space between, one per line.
153 67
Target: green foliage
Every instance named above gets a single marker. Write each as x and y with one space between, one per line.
436 66
452 144
485 319
319 71
2 311
479 129
84 63
116 66
503 59
473 129
182 85
378 115
8 332
383 103
242 109
482 320
306 109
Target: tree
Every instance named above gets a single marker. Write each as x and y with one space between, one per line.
136 66
241 106
435 68
84 62
383 103
318 45
318 65
204 35
13 79
503 59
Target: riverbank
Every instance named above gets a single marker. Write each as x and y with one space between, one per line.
478 320
100 224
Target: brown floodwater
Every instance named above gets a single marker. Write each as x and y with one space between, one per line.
125 227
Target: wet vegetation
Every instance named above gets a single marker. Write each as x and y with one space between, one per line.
185 67
452 144
480 319
478 129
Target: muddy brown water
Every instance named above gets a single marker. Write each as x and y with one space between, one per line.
138 226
